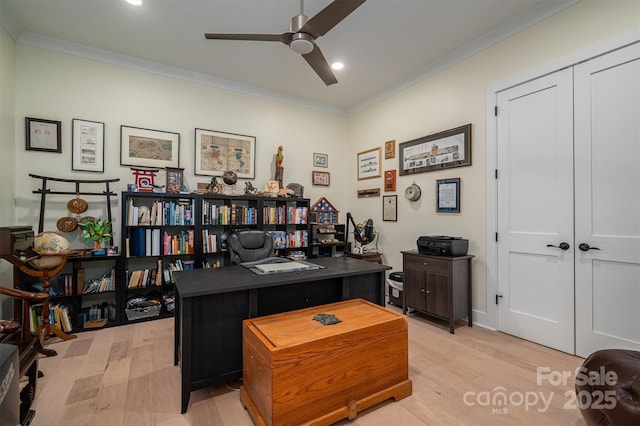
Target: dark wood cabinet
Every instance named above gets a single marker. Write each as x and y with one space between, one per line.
438 285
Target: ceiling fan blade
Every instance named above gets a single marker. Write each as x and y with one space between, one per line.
283 38
320 65
330 16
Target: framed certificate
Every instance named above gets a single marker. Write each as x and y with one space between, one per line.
390 208
448 195
43 135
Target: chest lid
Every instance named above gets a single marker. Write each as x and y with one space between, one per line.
291 336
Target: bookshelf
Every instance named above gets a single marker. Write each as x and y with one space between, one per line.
84 295
163 233
159 238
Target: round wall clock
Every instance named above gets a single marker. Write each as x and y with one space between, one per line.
412 192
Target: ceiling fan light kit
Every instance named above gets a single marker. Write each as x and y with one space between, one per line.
303 34
301 43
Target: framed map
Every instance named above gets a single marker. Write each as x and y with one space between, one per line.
218 152
149 148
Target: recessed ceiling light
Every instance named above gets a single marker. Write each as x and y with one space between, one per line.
135 2
337 65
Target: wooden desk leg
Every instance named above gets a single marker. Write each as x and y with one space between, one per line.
185 351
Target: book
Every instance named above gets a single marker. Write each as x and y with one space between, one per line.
137 242
147 243
155 242
80 280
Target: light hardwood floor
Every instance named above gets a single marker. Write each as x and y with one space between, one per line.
125 376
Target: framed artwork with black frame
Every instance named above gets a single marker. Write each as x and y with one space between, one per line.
444 150
219 152
448 195
149 148
87 145
175 179
390 208
43 135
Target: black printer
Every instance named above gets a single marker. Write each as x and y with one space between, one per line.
441 245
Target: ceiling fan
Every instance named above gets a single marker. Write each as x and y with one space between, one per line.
301 38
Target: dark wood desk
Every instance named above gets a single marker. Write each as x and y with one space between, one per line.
212 303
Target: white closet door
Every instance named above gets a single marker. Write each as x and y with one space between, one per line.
535 210
607 167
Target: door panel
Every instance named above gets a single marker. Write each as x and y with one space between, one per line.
438 294
616 285
535 209
607 139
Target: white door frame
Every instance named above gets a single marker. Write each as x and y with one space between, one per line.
490 317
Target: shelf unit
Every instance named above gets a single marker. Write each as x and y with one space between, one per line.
196 226
327 239
159 234
71 310
287 221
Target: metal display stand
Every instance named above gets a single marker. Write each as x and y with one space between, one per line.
44 192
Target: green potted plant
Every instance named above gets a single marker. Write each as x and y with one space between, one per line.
96 230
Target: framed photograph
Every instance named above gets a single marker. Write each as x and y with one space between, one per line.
218 152
369 164
87 145
175 179
320 178
43 135
149 148
390 149
451 148
320 160
390 208
448 195
389 180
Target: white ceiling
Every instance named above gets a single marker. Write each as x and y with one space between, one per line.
385 44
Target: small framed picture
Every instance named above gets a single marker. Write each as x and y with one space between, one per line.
320 178
390 180
390 208
43 135
320 160
87 145
448 195
390 149
175 178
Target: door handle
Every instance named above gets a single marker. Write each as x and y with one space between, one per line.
586 247
562 246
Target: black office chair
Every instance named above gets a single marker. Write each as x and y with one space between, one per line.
250 245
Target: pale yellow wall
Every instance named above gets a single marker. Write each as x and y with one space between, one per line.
7 163
70 87
61 87
454 97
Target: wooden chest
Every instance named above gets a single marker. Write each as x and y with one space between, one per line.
298 371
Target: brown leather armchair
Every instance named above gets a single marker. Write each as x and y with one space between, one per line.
608 388
28 343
